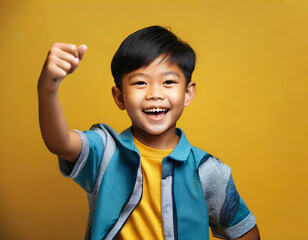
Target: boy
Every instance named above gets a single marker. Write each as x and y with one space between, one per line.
149 182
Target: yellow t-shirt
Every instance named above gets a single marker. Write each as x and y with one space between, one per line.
145 221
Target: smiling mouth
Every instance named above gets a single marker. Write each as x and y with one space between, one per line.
156 112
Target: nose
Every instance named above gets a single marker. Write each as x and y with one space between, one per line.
154 93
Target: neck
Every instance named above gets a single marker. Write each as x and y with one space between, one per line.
165 141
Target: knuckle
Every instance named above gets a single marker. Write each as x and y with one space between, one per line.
52 50
50 67
68 65
54 45
51 58
62 74
73 47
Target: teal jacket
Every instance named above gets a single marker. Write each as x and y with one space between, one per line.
197 190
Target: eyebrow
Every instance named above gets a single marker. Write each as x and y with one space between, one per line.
146 75
171 73
137 74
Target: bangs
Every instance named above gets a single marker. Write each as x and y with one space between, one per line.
141 48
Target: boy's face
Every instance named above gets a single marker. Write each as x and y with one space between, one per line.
154 97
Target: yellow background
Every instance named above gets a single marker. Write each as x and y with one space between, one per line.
250 109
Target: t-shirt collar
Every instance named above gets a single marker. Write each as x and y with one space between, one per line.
179 153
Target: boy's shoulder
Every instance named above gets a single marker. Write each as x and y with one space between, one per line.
200 155
209 164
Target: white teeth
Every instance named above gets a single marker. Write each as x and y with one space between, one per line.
155 110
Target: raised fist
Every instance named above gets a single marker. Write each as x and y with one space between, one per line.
62 59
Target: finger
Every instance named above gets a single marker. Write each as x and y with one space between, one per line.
58 73
68 58
64 65
81 50
74 66
66 47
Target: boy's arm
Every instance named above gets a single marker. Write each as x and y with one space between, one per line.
61 60
253 234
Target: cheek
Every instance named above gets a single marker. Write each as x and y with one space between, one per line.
132 99
177 97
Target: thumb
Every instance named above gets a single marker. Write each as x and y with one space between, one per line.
81 50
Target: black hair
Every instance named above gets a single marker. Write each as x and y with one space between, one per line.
141 48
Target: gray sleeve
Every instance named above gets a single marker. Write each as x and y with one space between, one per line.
87 167
69 169
229 217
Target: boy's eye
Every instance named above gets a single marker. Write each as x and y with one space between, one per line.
140 83
168 82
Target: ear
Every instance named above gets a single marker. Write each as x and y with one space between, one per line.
118 97
190 93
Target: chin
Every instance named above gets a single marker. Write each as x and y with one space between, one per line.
156 131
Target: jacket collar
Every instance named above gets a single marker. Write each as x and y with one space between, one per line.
179 153
125 139
182 149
